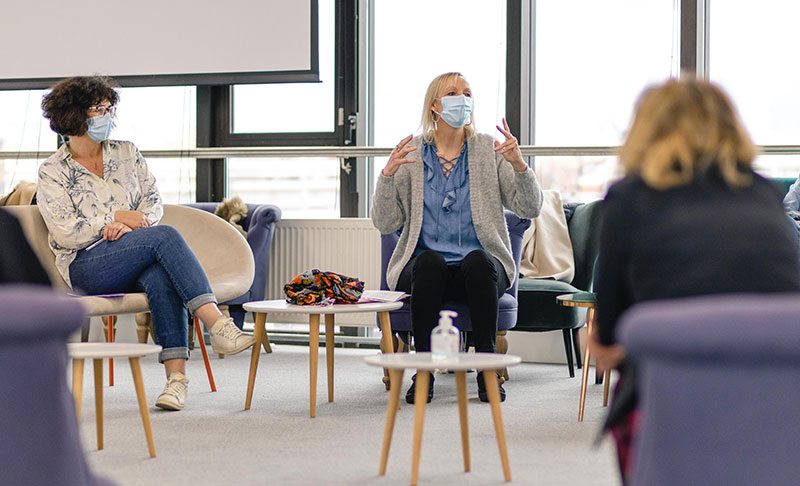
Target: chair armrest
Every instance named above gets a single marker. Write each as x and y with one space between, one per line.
516 228
35 312
260 226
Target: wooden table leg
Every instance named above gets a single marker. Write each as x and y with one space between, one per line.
461 391
387 343
420 400
396 377
490 377
386 332
313 358
266 344
259 332
585 375
98 400
77 386
329 319
606 385
136 370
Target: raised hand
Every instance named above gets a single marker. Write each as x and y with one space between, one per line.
510 149
398 157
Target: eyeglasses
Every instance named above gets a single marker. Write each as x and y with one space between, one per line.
103 109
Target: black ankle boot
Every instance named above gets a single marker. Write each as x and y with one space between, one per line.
483 395
410 394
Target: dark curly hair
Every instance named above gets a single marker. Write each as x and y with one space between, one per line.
68 101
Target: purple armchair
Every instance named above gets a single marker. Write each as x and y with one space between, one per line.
719 387
40 445
507 313
260 228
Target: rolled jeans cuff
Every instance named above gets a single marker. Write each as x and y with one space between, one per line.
200 301
173 353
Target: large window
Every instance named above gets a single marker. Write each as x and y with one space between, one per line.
22 129
162 118
301 187
417 40
292 107
758 71
591 60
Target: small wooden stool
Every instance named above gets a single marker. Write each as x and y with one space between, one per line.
588 300
97 352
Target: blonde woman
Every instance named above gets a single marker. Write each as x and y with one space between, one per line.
690 217
447 188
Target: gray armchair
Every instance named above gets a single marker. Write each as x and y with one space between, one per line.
41 445
718 384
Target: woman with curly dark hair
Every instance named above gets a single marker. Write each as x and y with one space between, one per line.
101 206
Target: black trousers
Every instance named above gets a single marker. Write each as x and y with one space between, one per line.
478 281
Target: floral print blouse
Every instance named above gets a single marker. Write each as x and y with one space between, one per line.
76 205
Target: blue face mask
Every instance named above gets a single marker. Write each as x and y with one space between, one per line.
456 110
100 127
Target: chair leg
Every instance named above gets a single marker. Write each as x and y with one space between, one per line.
199 332
501 347
85 330
144 326
568 347
576 345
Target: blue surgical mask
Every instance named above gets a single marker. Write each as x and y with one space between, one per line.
456 110
100 127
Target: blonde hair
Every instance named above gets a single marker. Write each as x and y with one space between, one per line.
429 117
683 128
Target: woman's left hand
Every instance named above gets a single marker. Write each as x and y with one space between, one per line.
606 357
510 149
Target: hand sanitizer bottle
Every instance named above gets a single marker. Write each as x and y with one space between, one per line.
445 338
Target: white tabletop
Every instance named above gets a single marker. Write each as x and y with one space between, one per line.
110 350
462 362
283 307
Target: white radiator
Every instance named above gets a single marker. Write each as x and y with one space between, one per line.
349 246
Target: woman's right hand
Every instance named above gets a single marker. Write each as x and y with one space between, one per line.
397 157
131 219
113 231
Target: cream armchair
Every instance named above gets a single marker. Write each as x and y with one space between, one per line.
221 250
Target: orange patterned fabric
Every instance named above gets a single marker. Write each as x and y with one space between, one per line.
325 288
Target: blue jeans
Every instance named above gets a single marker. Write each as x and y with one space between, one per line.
155 260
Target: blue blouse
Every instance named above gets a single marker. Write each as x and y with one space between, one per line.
447 216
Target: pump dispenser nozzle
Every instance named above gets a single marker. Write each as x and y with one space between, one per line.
446 317
445 338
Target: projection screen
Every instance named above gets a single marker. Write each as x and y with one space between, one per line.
159 42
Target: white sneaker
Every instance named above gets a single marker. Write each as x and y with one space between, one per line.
174 393
226 338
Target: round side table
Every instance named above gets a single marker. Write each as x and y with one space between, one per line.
264 307
97 352
588 300
424 363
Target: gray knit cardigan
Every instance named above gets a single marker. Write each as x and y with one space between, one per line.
493 185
